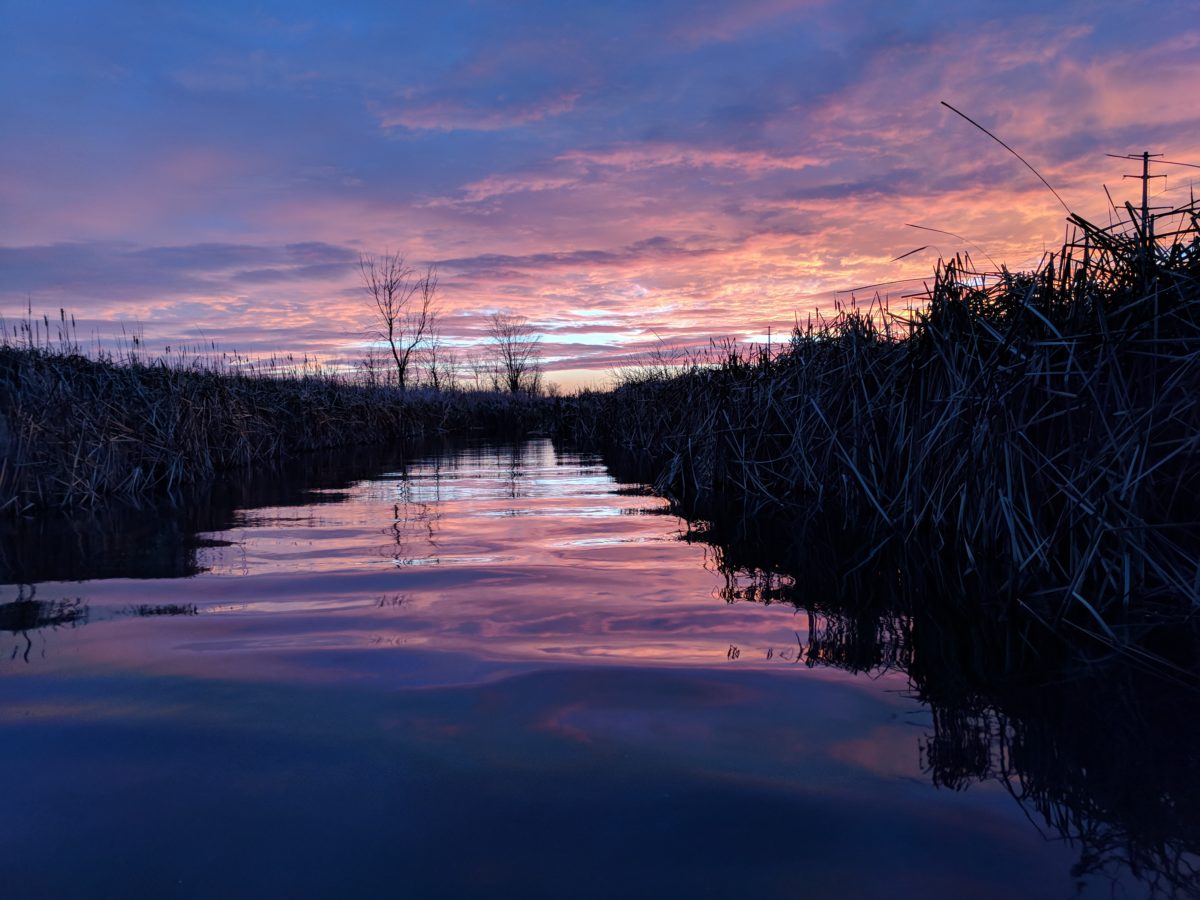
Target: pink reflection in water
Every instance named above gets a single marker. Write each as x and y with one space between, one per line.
511 556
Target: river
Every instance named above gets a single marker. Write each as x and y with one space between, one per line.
489 670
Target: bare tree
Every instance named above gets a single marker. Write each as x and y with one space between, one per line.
481 373
441 363
405 305
517 349
372 368
433 358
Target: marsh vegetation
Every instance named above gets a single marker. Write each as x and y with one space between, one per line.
1019 448
76 430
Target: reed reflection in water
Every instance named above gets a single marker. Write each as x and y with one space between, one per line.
496 670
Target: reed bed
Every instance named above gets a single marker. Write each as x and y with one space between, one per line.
75 429
1024 443
1104 756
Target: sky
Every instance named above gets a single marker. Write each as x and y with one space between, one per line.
625 175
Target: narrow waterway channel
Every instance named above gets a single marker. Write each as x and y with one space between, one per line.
490 670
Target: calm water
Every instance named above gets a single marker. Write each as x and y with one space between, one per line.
490 672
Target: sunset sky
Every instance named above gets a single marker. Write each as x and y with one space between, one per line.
619 173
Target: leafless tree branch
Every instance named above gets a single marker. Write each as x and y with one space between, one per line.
517 350
405 306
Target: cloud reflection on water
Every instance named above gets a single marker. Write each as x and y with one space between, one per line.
394 682
514 554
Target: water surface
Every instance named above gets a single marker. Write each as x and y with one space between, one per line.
484 671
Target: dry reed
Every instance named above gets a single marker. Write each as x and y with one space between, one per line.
1027 443
75 430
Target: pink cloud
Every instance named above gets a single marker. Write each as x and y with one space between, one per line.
650 156
497 113
725 24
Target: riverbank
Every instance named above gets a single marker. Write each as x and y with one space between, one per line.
1020 448
75 431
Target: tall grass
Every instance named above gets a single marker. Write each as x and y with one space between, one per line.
1026 443
1106 757
75 429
